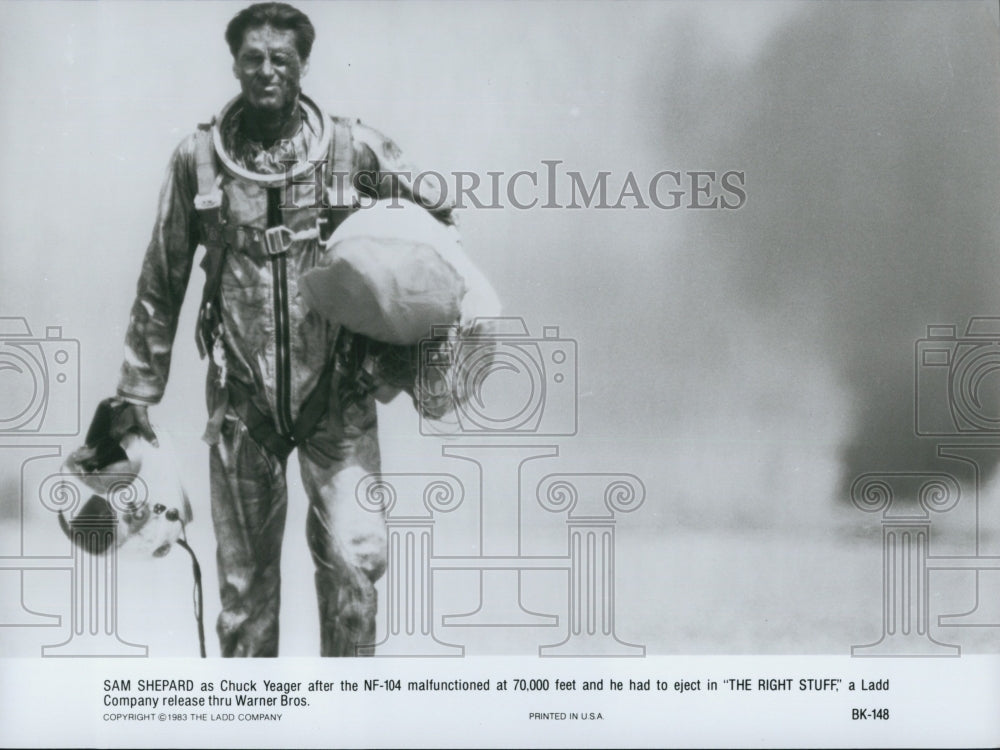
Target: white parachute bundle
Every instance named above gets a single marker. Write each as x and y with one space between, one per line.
394 273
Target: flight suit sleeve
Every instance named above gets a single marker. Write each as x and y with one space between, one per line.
380 164
163 281
382 173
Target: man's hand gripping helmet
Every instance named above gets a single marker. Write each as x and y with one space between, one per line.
127 485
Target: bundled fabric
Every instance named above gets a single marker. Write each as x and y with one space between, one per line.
128 486
395 272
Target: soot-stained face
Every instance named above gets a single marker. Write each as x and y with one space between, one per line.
269 68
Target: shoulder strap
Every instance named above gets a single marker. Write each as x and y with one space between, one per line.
209 195
208 204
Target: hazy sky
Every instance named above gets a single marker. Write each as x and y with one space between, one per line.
743 362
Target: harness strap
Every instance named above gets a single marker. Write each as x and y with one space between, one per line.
260 425
208 204
261 244
341 196
206 168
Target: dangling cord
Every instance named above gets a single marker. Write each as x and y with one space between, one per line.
196 568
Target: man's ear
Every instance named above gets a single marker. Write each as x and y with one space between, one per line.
305 69
236 70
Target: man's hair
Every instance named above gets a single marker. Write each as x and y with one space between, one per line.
280 16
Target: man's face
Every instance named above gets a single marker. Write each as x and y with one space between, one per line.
269 68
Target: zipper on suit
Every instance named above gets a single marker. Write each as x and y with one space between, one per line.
282 334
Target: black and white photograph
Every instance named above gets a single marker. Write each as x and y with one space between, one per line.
500 374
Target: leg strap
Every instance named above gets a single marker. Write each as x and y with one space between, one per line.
261 426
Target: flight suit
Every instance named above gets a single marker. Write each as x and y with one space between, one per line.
272 359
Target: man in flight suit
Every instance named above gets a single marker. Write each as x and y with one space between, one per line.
273 383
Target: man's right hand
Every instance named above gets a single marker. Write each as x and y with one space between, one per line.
115 418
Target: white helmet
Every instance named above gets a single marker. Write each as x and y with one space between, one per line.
131 488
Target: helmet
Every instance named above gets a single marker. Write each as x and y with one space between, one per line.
133 493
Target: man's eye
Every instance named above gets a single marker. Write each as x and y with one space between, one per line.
279 60
252 59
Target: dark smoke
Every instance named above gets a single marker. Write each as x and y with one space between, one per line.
869 135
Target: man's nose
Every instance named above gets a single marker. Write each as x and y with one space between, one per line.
266 68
